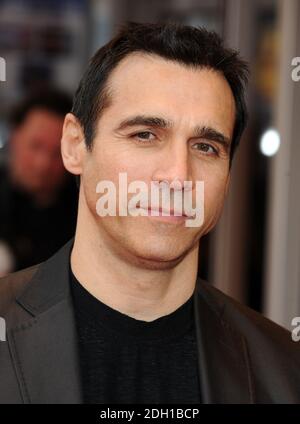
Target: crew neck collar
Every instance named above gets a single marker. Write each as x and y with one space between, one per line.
99 314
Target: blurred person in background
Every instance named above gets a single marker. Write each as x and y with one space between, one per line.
38 198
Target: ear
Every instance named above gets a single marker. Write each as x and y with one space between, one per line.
73 147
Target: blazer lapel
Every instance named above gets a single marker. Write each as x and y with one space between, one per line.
43 342
224 372
44 346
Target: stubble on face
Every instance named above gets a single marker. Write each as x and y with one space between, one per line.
149 86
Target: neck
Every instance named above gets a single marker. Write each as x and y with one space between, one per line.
124 285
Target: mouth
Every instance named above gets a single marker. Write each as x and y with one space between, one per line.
166 216
152 211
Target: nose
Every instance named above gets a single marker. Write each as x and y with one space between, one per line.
173 165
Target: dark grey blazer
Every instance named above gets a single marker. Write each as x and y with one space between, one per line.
243 357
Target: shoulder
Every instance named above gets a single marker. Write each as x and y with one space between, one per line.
12 286
270 354
259 331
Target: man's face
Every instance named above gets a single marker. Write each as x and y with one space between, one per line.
199 109
36 162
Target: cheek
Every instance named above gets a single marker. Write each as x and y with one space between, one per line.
109 163
214 197
98 168
214 194
215 181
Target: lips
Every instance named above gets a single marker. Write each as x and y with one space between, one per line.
164 212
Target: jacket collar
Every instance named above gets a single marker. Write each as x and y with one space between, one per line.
44 345
224 367
50 332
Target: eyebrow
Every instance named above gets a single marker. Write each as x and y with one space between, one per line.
152 121
212 134
200 131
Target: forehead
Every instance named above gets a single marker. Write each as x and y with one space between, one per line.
149 84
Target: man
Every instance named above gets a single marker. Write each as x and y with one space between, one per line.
38 199
118 315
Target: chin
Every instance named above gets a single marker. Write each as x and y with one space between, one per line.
157 258
157 263
146 249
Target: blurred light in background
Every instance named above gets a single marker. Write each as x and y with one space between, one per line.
3 135
270 142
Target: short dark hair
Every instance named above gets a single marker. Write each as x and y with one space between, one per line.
191 46
50 99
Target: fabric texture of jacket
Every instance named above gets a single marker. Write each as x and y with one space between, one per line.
242 356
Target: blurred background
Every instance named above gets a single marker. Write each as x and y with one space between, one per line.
254 253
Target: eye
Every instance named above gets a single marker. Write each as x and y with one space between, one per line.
205 148
144 137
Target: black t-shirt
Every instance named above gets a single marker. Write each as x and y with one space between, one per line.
124 360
